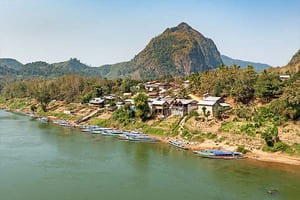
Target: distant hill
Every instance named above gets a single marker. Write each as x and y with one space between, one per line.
243 64
178 51
43 69
291 68
10 63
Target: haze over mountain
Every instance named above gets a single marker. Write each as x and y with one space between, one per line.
243 64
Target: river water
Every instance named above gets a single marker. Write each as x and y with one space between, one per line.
40 161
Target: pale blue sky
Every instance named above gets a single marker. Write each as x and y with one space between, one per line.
100 31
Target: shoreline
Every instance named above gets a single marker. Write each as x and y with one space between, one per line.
255 155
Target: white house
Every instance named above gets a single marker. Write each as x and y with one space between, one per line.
97 102
211 104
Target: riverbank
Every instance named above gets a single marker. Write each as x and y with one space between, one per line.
163 132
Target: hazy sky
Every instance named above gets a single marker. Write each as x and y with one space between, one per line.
108 31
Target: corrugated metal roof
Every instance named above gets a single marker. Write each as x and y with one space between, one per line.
158 102
210 98
207 103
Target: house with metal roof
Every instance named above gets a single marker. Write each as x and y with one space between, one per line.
97 102
210 104
183 106
161 108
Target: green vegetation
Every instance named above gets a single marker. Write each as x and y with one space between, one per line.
124 115
142 107
268 86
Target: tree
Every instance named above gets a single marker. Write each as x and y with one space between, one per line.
291 95
270 135
127 84
206 114
43 97
243 87
142 107
183 93
98 91
124 115
267 86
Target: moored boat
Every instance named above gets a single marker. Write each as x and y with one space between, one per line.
178 145
217 154
43 119
141 138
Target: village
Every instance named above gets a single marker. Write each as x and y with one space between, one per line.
163 105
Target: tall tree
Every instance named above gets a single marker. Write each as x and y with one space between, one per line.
142 107
243 87
268 85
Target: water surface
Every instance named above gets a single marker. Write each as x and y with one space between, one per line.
41 161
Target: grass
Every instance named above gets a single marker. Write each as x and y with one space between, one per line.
58 115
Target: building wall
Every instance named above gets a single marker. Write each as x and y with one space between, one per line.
208 108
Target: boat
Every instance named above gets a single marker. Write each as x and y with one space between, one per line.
141 138
43 119
177 144
217 154
62 123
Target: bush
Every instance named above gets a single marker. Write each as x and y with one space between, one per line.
244 113
33 108
86 98
124 115
198 138
191 114
280 146
270 135
227 126
242 149
249 129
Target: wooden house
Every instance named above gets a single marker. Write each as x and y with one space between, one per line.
183 106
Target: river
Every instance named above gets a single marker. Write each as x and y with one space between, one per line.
40 161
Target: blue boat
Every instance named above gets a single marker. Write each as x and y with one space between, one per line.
217 154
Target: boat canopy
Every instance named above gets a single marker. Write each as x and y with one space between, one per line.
221 153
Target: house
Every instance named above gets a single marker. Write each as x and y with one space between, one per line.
129 101
210 104
161 108
119 104
183 106
153 94
97 102
109 98
284 77
163 86
68 112
186 83
127 94
216 99
110 107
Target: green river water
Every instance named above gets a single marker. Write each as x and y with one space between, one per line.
40 161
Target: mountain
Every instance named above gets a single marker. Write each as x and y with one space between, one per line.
243 64
178 51
292 67
10 63
39 68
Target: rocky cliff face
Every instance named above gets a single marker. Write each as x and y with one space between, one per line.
177 51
